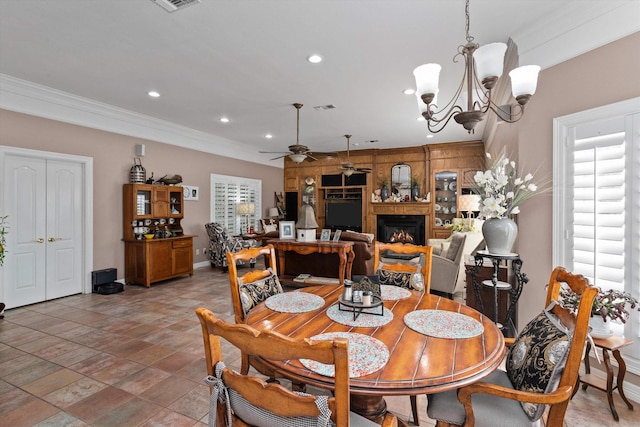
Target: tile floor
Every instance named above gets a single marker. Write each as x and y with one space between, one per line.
136 359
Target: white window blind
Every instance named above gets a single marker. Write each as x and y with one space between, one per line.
596 207
226 193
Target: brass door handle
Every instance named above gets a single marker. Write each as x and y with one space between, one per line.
53 239
39 240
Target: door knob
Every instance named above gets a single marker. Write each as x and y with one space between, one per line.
53 239
39 240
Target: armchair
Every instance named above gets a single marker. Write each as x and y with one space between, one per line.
220 243
445 266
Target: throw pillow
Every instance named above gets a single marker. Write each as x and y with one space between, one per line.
253 293
368 283
403 275
537 358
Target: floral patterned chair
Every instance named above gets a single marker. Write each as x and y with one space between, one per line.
220 243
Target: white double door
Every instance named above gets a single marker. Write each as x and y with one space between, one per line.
44 201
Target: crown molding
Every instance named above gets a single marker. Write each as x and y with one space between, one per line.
570 33
41 101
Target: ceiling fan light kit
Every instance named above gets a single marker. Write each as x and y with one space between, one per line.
483 68
349 168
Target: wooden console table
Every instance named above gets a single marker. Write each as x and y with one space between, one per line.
613 344
343 249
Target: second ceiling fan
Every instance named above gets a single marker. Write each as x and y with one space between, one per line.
298 152
349 168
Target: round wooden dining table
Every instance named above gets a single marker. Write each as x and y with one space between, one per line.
417 363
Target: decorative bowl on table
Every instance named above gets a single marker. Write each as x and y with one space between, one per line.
149 236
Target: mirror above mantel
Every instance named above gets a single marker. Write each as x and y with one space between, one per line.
401 180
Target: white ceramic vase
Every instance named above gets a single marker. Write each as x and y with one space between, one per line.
500 235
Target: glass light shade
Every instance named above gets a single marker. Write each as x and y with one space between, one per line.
297 158
349 172
307 218
273 212
245 208
427 76
489 60
524 80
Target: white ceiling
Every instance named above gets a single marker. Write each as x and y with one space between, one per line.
92 62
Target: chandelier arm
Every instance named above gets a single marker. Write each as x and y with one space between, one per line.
435 128
508 116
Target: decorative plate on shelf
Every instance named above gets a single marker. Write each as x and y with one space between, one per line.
452 186
438 222
437 207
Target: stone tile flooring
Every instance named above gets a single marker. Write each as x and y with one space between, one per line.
136 359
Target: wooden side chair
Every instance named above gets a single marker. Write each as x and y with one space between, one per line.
249 401
256 277
541 368
402 272
403 268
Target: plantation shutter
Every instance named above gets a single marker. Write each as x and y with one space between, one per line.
597 243
227 192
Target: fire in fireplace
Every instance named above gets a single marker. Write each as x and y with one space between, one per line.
401 237
401 228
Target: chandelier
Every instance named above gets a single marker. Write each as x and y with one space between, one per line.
483 68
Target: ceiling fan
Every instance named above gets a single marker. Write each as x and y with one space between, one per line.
349 168
298 152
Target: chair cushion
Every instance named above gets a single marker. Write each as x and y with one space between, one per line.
403 275
537 358
253 293
446 407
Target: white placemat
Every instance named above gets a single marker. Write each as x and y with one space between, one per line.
294 302
364 319
392 293
366 355
443 324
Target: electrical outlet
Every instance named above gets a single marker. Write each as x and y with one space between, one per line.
197 251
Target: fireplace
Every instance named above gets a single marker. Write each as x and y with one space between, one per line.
401 228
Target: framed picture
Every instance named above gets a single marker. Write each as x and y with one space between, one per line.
326 235
287 229
336 236
191 192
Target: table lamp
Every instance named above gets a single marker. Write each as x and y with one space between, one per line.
469 203
306 225
246 209
273 213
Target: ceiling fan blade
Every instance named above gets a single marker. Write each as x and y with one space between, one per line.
325 154
274 152
310 157
279 157
365 170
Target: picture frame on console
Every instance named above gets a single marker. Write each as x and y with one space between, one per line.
325 236
287 229
336 235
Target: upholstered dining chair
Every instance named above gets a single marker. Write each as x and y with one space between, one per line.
401 273
240 399
541 368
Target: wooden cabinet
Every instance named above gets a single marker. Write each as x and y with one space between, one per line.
150 261
158 210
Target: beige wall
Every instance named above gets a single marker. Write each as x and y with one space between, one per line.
112 160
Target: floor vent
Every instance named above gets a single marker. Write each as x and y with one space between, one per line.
174 5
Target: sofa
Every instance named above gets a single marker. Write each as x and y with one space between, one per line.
326 265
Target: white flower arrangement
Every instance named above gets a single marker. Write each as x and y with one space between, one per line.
502 189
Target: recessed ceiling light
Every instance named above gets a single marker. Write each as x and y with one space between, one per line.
429 136
314 59
409 91
224 119
153 94
268 136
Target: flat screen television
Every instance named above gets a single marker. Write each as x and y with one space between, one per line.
344 215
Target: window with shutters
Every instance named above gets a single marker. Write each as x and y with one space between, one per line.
596 228
226 193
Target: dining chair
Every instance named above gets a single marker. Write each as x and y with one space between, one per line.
400 273
541 368
257 277
240 399
221 243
